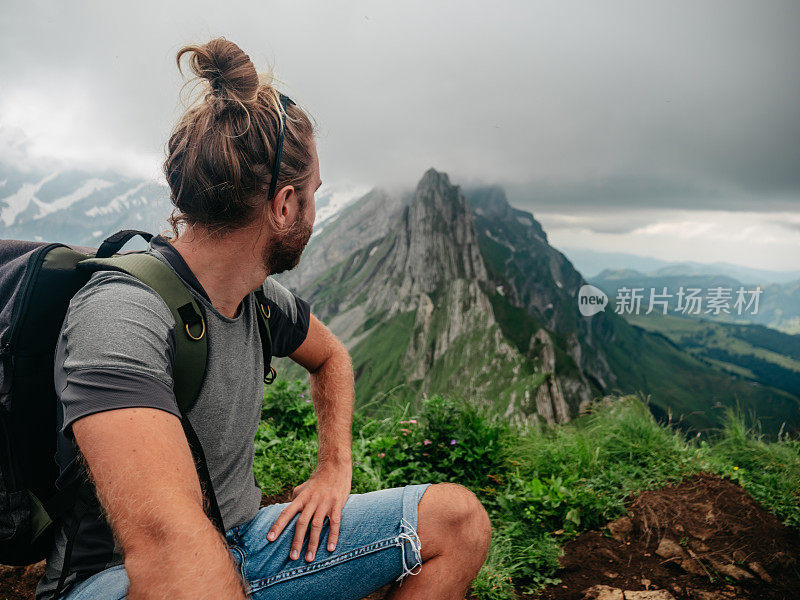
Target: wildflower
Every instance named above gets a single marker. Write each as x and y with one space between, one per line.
405 431
424 454
302 395
735 468
427 442
382 454
412 421
308 400
453 442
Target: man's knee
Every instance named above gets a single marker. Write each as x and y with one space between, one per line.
459 515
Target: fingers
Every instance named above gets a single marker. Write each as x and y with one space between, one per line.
311 520
335 519
300 530
316 529
286 515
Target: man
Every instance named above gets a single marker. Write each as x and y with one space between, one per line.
145 533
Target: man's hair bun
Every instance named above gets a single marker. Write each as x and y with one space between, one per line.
228 69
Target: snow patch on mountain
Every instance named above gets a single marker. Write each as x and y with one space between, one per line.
16 203
86 190
119 203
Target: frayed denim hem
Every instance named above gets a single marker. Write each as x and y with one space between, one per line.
416 546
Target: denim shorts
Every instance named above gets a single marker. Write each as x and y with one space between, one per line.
378 544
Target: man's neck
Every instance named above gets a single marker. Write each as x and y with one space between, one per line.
228 269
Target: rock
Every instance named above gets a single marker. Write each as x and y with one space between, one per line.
603 592
732 570
620 529
673 551
692 566
669 548
760 571
611 574
649 595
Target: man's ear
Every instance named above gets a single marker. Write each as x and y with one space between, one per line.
284 208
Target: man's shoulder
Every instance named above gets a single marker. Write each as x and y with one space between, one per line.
110 292
284 299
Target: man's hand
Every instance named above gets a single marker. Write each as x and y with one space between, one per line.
323 495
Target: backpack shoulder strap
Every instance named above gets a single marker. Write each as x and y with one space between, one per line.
191 352
263 311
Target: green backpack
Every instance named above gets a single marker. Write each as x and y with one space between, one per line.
37 281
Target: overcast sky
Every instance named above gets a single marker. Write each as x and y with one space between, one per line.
670 129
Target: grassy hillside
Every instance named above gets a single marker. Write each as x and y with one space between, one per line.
676 380
541 486
770 357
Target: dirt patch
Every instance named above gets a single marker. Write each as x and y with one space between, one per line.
704 538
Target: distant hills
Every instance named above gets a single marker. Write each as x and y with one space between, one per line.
591 263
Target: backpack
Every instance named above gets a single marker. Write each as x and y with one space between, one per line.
37 281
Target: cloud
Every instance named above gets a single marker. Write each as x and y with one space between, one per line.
627 94
754 239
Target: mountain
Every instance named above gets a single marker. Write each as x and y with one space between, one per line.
778 303
414 305
82 207
77 206
450 290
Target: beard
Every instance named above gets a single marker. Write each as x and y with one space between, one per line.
283 251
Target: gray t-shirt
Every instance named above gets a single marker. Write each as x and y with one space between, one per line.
116 350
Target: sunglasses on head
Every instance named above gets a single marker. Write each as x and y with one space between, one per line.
276 166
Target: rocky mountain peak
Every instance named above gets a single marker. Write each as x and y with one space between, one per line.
435 238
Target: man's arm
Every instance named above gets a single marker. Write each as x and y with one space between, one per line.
147 484
332 389
327 490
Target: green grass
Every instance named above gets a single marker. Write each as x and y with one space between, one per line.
542 486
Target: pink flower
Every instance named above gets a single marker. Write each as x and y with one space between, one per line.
427 442
453 442
405 431
381 455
